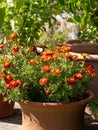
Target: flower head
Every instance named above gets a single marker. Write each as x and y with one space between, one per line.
46 68
43 81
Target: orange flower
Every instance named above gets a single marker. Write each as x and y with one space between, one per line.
7 64
1 75
78 76
38 63
46 68
31 61
8 86
89 66
48 52
55 55
57 71
89 69
13 84
32 48
73 57
13 35
63 48
67 48
43 81
48 91
20 82
16 49
71 81
67 55
8 78
85 54
46 57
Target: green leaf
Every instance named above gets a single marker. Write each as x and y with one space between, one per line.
2 14
19 20
19 4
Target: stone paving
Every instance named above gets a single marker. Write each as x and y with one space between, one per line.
14 121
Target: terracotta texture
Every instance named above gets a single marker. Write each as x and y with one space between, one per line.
84 46
53 116
6 109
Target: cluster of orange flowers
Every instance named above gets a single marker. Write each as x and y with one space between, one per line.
47 56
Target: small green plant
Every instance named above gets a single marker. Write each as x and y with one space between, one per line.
93 106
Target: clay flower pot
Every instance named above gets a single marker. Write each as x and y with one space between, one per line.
6 108
53 116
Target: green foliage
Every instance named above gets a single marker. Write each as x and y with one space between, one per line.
27 18
85 12
93 106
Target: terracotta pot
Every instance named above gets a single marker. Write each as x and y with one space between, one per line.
96 117
53 116
84 46
6 109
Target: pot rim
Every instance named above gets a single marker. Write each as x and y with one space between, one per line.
52 104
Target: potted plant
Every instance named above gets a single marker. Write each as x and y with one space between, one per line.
46 85
28 19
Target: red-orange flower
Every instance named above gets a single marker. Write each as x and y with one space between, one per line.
8 78
46 68
32 48
71 81
55 55
48 52
63 48
20 82
73 57
48 91
8 86
7 64
78 76
66 55
89 68
46 57
16 49
67 48
13 36
13 84
43 81
57 71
